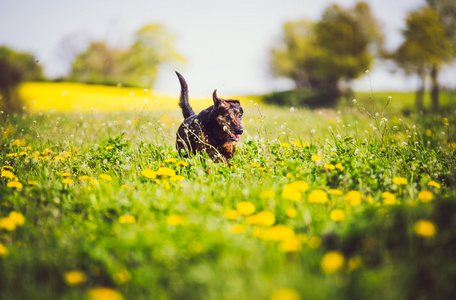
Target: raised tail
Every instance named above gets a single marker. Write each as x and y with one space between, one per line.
187 110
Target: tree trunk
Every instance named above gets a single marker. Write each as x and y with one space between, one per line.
435 89
419 96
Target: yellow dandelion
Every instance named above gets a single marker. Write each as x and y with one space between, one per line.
170 160
318 196
254 164
339 167
109 147
337 215
3 250
174 220
58 158
8 174
7 224
74 277
11 155
316 158
165 171
353 198
66 174
127 219
278 233
332 262
329 166
296 143
284 145
68 180
434 184
32 183
445 122
103 293
292 191
388 198
424 228
285 294
231 214
14 185
106 177
425 196
85 177
290 245
149 173
237 229
291 213
17 218
182 163
400 180
7 168
335 192
23 153
176 178
267 195
245 208
265 218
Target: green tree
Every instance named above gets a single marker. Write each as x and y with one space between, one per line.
424 50
15 67
338 48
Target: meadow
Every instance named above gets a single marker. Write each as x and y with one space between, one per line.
354 202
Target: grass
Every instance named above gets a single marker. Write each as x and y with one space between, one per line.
318 204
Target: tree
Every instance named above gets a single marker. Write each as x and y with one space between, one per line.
424 50
338 48
136 66
15 67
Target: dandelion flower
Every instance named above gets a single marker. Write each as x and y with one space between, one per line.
23 153
181 163
388 198
32 183
103 293
332 262
329 167
106 177
17 218
170 160
245 208
109 147
316 158
14 184
291 213
149 173
353 198
425 196
290 245
3 250
278 233
296 143
7 224
231 214
337 215
424 228
68 180
335 192
318 196
127 219
400 180
165 171
8 174
74 277
174 220
284 145
433 184
267 195
265 218
237 229
339 167
176 178
285 294
66 174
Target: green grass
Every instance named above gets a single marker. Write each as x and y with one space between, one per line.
376 251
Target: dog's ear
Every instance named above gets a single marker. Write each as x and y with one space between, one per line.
217 101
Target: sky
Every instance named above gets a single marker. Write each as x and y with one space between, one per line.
226 43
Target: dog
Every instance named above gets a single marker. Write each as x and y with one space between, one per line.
214 130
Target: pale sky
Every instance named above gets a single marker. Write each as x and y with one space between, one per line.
226 43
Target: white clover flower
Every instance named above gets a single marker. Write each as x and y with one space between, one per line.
313 131
132 94
146 90
354 101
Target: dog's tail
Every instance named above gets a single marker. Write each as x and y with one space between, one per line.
187 110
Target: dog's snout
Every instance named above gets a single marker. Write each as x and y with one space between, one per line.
239 130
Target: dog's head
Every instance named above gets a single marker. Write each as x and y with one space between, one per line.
228 114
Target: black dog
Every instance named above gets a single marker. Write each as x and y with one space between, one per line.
214 130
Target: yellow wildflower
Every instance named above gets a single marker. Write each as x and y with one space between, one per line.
433 184
149 173
285 294
8 174
278 233
231 214
290 245
181 163
7 223
3 250
332 262
68 180
245 208
292 191
7 168
17 218
177 178
296 143
353 198
66 174
318 196
19 142
265 218
237 229
109 147
337 215
14 184
316 157
400 180
335 192
11 155
339 167
23 153
170 160
329 167
106 177
284 145
291 213
103 293
74 277
424 228
267 195
425 196
57 158
127 219
174 220
32 183
388 198
164 171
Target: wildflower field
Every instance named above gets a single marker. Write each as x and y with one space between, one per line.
358 202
